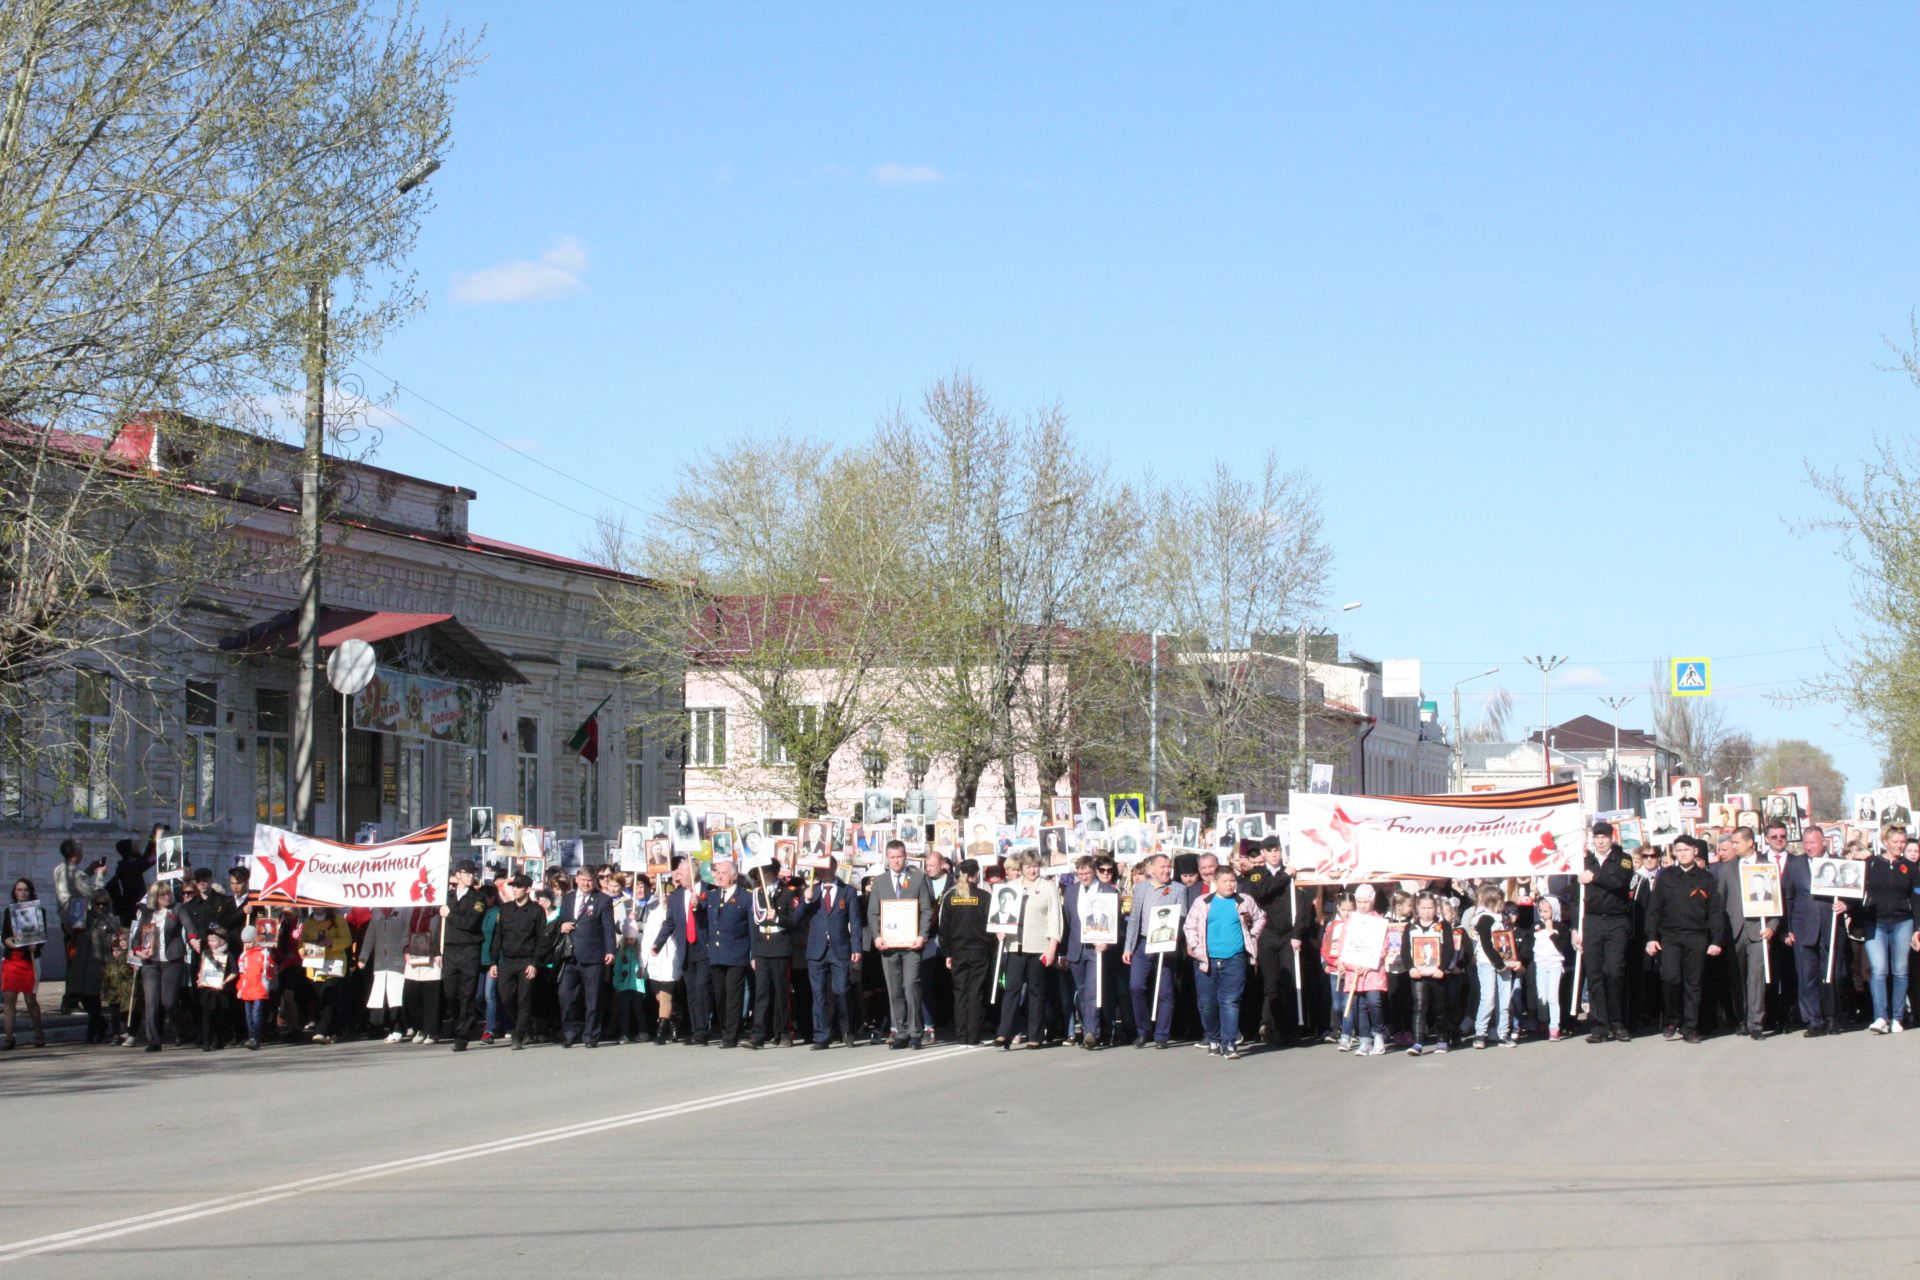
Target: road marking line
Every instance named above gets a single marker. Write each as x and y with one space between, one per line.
99 1232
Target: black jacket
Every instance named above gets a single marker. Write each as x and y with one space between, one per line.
1889 889
963 921
1611 893
774 912
466 918
519 932
1440 929
1686 900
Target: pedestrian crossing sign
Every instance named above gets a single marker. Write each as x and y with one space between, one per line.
1692 677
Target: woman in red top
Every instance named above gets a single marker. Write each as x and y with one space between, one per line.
20 970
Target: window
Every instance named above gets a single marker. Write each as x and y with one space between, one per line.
197 796
589 795
13 754
526 769
411 786
706 736
270 721
772 750
92 745
636 796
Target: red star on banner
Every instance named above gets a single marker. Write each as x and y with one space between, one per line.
285 881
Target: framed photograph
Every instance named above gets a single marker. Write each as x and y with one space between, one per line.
1740 801
1253 826
266 929
1802 801
899 921
1363 945
1864 807
480 824
313 958
1663 821
506 830
1126 804
1099 918
1234 804
1691 795
1227 838
1060 810
816 842
1760 894
1723 815
661 826
981 842
27 923
1093 815
659 857
722 843
1163 929
1158 821
170 858
839 826
685 832
1426 952
946 835
1128 841
1781 807
1891 804
1004 915
908 830
1837 877
1750 820
1504 946
876 807
212 972
1053 844
1189 833
1631 833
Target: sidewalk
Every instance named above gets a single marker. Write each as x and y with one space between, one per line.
60 1026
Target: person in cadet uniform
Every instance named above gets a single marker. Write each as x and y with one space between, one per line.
969 949
1686 923
465 912
775 907
1608 877
519 938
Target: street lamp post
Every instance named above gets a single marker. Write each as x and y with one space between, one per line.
1614 704
1300 705
1545 665
312 463
918 762
1459 754
874 758
1153 726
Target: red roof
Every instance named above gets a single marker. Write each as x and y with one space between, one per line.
337 626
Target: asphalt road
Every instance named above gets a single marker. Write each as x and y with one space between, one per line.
1727 1158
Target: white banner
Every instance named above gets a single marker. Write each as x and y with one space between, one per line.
1490 835
287 867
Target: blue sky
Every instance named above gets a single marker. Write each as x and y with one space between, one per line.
1556 307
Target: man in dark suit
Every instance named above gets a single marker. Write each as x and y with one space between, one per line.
1812 925
729 921
687 918
1750 935
831 918
776 902
586 922
900 965
1085 958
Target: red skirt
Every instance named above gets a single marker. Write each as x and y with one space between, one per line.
17 974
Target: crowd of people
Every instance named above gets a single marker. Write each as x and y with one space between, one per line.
1648 940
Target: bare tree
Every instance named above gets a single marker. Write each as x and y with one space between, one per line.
773 565
1692 728
173 175
1494 716
1234 560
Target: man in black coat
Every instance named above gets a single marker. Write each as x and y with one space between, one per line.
729 921
1608 919
464 913
587 937
519 938
1686 923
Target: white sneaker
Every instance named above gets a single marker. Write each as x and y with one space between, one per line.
1379 1046
393 1037
425 1040
1878 1026
1895 1027
1346 1043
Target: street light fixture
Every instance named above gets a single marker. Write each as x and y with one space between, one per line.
1614 704
918 762
1545 665
1300 706
874 758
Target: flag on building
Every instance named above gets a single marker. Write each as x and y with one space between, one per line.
585 741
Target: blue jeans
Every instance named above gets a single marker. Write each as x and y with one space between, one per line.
256 1017
1496 991
1373 1019
1220 989
1888 942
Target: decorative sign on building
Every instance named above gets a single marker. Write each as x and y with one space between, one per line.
422 707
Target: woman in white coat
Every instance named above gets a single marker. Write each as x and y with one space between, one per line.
663 966
383 954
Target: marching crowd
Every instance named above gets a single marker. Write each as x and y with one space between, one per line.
1640 941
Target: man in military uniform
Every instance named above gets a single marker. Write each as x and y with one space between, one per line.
1269 885
463 914
1607 882
775 906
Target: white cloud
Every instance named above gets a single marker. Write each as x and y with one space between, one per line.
554 274
1581 678
906 175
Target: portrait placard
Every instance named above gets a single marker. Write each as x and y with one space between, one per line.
1060 810
1189 833
1163 929
1099 918
1426 952
1364 944
480 824
899 921
170 858
1890 804
1004 917
1838 877
1093 815
1234 804
1760 894
1663 821
684 830
1504 945
27 923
